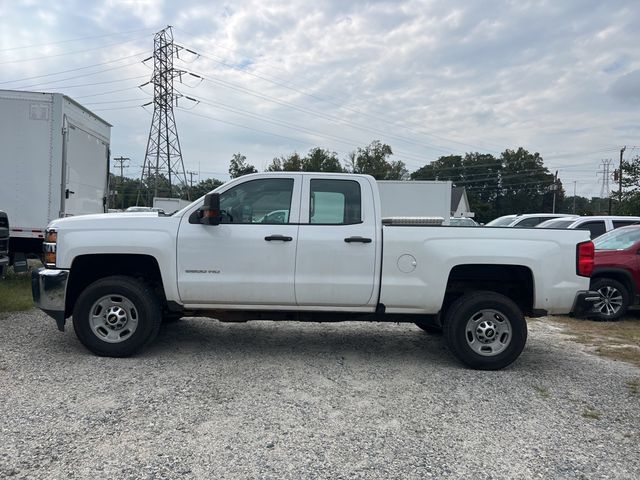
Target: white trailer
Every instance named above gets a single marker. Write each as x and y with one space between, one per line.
415 198
170 205
54 162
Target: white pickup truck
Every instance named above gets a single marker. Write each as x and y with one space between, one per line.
307 247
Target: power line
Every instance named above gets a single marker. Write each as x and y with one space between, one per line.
46 57
72 69
77 39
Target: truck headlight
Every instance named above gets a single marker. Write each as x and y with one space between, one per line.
49 247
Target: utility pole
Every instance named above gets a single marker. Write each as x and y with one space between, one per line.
121 161
555 189
620 178
191 173
163 145
574 196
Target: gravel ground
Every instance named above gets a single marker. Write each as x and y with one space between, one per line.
290 400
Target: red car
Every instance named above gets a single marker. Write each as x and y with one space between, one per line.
616 273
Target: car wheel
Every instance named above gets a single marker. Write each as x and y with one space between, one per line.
429 328
614 300
116 316
485 330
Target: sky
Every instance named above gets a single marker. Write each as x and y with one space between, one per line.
429 78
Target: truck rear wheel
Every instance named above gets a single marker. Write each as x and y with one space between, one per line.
485 330
116 316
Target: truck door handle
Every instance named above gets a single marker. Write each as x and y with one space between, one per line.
281 238
357 240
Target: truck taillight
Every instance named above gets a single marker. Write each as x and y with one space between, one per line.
584 262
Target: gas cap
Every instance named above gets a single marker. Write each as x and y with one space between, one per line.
407 263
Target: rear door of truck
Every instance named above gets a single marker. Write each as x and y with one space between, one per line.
338 244
85 170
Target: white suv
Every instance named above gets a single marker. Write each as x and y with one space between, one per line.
525 220
597 225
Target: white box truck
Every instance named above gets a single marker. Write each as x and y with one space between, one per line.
415 198
170 205
54 162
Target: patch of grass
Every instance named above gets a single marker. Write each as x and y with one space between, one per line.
591 414
634 386
15 292
617 340
542 391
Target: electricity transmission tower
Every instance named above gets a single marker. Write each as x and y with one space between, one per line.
163 157
604 189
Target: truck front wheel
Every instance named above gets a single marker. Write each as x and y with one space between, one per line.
116 316
485 330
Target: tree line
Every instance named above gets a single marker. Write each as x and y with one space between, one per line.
516 181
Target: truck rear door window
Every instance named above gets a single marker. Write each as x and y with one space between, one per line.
335 202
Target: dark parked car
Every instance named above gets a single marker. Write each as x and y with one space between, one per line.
4 241
616 273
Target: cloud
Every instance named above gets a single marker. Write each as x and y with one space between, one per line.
627 87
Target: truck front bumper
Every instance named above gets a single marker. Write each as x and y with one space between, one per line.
583 303
49 288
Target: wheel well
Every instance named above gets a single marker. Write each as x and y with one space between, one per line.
513 281
621 276
86 269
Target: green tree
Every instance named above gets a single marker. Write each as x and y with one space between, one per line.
630 204
320 160
292 163
203 187
239 166
317 160
526 183
374 160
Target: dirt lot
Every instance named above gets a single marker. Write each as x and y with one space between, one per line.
291 400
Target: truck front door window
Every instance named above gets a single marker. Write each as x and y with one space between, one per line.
258 201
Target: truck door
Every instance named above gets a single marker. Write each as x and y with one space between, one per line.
337 243
249 259
85 170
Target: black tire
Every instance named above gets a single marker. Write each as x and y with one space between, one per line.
615 300
429 328
125 300
485 330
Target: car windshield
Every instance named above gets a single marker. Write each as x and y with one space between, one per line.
501 221
619 239
556 223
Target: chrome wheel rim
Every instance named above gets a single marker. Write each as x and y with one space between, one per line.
488 332
113 318
610 301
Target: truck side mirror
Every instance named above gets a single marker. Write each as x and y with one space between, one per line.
211 210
